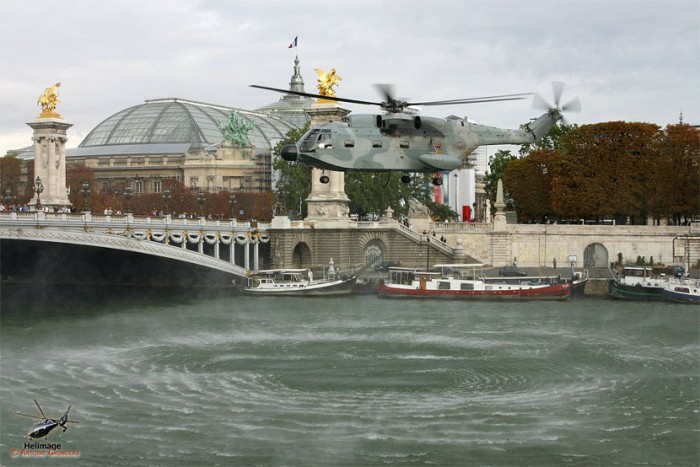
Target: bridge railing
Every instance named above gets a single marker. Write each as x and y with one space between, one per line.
125 219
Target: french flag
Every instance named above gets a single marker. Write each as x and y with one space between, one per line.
294 43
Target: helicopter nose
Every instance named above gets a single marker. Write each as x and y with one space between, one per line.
289 153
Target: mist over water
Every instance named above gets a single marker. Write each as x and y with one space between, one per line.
356 381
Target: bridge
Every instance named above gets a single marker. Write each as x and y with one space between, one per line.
202 242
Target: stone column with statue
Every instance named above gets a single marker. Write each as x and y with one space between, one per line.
50 136
328 205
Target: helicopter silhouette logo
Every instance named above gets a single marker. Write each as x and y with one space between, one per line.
46 425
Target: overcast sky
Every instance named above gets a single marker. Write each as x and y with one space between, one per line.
632 60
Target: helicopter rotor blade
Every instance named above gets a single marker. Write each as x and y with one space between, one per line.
572 106
318 96
538 102
28 416
386 91
39 407
558 88
477 100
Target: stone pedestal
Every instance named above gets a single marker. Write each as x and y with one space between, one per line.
50 160
328 205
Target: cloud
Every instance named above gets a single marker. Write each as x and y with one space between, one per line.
626 60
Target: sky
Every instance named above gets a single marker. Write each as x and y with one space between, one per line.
630 60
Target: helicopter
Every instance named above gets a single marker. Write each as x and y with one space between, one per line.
401 140
46 425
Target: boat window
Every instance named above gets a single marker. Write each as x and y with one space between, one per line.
376 144
404 145
443 285
466 286
683 289
349 143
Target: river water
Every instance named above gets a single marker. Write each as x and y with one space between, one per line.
355 381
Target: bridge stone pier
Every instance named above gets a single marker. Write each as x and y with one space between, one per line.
223 246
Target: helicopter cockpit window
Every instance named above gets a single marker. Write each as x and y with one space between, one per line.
309 141
324 139
376 144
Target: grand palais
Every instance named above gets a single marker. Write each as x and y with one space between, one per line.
174 138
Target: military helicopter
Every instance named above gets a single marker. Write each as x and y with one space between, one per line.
46 425
401 140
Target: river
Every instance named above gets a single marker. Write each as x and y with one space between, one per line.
354 381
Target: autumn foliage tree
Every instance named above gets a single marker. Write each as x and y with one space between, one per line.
614 170
529 181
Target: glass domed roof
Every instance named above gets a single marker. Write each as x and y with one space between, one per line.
181 121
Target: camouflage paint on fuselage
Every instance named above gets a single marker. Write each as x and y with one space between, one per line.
407 143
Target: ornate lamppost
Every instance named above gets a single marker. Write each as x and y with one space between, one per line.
128 193
166 198
200 200
38 189
8 198
85 191
232 202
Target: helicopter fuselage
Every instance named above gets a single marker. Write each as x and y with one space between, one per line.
404 142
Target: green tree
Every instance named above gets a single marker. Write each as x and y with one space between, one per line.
374 192
554 139
294 182
497 169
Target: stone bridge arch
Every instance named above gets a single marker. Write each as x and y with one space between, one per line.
301 256
374 248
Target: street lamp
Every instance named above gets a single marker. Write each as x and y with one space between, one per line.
8 198
128 193
85 191
166 198
39 189
232 202
200 200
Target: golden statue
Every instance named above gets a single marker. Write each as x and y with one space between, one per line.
326 81
48 101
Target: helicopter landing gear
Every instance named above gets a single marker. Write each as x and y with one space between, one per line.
437 181
405 178
324 179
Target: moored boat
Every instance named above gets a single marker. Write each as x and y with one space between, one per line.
299 282
682 290
410 283
636 283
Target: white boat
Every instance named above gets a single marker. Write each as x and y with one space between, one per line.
682 290
299 282
410 283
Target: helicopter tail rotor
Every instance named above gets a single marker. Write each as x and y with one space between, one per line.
556 110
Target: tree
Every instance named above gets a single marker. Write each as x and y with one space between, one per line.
10 179
604 171
374 192
554 139
294 182
497 169
529 182
677 188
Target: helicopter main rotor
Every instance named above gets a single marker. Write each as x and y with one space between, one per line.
394 105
